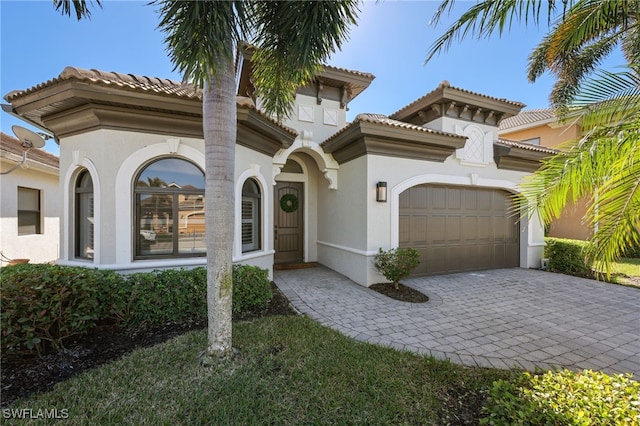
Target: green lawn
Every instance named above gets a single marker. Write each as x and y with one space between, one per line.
626 271
291 370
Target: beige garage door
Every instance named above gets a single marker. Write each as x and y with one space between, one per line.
458 229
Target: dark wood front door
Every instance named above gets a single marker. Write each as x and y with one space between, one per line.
288 230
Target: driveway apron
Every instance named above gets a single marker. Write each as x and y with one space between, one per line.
502 318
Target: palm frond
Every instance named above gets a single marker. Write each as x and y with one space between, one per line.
293 40
615 210
200 35
488 17
608 99
80 7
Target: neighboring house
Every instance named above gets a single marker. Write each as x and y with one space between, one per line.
31 204
132 176
541 127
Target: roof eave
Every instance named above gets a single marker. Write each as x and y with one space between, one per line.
518 159
366 138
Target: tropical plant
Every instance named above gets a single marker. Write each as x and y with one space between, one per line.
292 39
603 165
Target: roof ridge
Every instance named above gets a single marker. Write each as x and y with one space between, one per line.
445 84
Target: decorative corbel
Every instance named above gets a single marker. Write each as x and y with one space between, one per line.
489 115
332 176
277 168
449 107
344 97
319 88
477 114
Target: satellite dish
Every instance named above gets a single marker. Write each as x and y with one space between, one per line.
28 138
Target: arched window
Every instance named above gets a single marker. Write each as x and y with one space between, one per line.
250 216
291 166
169 210
84 216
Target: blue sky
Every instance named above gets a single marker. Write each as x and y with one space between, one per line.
390 41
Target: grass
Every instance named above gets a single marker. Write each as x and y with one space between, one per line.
626 271
291 370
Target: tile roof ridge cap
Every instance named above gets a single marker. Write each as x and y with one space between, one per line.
70 71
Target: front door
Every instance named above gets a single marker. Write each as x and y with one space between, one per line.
288 222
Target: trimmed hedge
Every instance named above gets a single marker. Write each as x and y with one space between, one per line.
150 299
42 305
564 398
251 289
567 256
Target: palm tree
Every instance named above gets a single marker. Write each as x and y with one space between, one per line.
603 164
292 39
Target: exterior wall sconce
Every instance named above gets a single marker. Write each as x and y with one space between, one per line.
381 192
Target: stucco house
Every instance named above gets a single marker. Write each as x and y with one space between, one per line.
314 188
541 127
30 205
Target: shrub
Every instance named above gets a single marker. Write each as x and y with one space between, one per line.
568 256
395 264
149 299
42 305
564 398
251 289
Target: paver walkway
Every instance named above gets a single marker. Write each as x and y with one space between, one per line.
499 318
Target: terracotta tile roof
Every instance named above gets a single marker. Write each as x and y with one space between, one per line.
11 145
161 86
129 81
354 72
446 84
386 121
528 117
527 146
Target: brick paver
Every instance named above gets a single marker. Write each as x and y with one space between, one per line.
499 318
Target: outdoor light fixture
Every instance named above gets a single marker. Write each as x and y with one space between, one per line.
381 192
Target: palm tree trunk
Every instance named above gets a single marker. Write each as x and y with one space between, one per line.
219 125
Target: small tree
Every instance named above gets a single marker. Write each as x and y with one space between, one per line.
395 264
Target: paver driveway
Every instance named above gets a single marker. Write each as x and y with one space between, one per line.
499 318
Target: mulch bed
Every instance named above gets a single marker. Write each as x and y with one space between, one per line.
402 293
24 376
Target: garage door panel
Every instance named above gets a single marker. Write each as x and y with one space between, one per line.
437 229
419 229
484 228
404 234
470 200
453 229
470 228
454 199
459 228
499 254
438 198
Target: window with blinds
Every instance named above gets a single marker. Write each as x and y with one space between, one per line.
250 216
29 211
